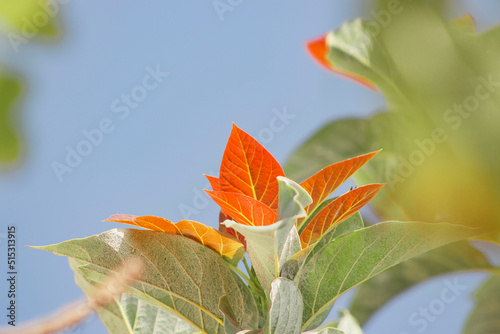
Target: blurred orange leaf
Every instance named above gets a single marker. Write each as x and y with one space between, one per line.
319 50
337 211
248 168
198 232
244 209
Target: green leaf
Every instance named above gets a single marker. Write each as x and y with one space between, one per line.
26 17
285 315
270 246
326 330
338 140
231 325
484 318
353 258
293 265
330 328
129 314
10 145
377 291
343 139
180 275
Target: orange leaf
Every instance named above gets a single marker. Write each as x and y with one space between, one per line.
319 50
244 209
214 182
210 238
198 232
223 229
248 168
337 211
152 223
323 183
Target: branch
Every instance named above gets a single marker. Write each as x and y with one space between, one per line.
72 314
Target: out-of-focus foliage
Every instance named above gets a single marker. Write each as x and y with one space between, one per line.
439 135
21 21
484 318
440 132
9 139
26 14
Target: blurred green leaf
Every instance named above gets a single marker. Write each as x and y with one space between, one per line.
484 318
345 138
377 291
10 144
30 17
441 81
180 275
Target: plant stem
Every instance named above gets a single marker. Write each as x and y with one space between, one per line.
246 266
256 286
242 274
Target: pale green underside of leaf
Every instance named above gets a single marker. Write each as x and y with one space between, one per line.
358 256
485 318
129 314
270 246
285 315
348 324
180 275
327 330
377 291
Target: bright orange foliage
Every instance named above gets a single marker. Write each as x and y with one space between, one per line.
247 191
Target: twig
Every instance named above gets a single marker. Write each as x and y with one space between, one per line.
74 313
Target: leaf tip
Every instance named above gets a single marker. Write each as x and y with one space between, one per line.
318 49
118 218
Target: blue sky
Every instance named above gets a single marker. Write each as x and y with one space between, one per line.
245 68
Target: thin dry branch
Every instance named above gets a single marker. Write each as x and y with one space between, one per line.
70 315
